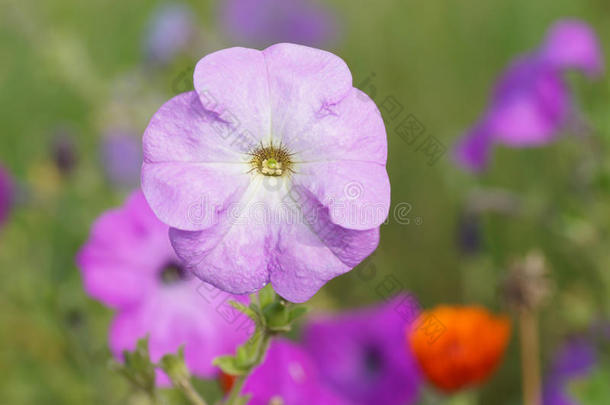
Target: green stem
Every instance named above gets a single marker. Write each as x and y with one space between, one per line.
263 346
190 392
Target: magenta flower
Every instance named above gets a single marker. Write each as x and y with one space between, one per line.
272 170
363 356
261 23
128 264
289 375
7 192
531 103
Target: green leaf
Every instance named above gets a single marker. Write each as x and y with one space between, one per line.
266 296
297 312
174 366
137 368
249 311
229 365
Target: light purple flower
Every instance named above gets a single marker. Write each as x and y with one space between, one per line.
260 23
169 32
363 355
7 191
128 264
122 158
272 170
289 374
532 103
576 359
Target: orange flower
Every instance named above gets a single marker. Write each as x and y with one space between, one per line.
458 346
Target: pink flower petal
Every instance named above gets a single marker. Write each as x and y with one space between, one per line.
357 193
304 84
232 83
572 44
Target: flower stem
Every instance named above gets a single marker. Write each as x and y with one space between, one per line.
189 391
530 357
263 346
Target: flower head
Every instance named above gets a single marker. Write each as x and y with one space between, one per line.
128 264
6 194
287 376
362 354
272 170
468 350
532 103
261 23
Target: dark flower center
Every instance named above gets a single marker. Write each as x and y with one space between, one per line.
272 160
173 273
373 359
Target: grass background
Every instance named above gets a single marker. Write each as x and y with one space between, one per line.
73 64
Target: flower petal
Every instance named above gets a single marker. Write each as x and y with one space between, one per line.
353 131
232 255
473 150
531 103
304 84
232 84
330 250
126 249
290 374
192 196
181 130
357 193
175 316
572 44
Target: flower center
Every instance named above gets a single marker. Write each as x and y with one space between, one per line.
373 360
173 273
272 160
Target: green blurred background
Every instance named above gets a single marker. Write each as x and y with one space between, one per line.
78 67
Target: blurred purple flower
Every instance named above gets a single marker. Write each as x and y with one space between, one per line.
532 103
129 264
363 354
260 23
122 158
7 193
289 374
574 360
169 32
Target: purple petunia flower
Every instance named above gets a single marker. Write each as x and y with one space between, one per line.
531 102
363 354
272 170
122 158
169 32
575 360
7 191
128 264
260 23
289 376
